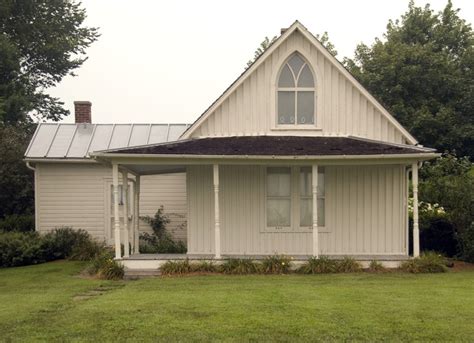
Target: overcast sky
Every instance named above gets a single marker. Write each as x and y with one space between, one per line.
167 61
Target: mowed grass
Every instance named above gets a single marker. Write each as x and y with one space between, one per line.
50 302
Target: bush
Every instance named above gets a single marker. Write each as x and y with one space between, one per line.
73 244
204 267
319 265
240 266
19 223
160 242
151 244
105 267
348 265
429 262
376 267
276 264
176 267
20 249
467 244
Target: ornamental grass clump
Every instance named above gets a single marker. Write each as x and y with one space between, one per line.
348 265
204 267
321 265
376 267
240 266
429 262
104 266
276 264
176 267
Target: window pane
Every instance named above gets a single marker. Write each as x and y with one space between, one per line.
305 107
306 212
278 212
286 107
321 185
305 182
321 215
306 78
278 182
296 62
286 78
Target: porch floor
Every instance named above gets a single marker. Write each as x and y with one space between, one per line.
165 257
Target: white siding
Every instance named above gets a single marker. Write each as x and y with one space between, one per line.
77 195
342 108
365 212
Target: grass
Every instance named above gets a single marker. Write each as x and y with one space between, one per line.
49 302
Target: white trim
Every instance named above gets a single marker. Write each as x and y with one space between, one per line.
126 243
314 179
416 230
115 181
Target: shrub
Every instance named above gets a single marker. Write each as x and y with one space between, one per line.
429 262
18 222
467 244
176 267
105 267
240 266
151 244
348 265
276 264
160 242
204 267
20 249
318 266
74 244
376 267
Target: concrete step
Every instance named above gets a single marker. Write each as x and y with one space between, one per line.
133 274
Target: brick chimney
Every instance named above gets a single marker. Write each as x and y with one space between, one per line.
82 111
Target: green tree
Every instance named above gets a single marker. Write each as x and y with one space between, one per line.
422 71
16 180
449 182
40 43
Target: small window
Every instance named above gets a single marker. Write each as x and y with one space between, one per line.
296 93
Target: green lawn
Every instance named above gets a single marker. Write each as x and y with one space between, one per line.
50 302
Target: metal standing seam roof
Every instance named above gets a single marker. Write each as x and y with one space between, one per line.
76 141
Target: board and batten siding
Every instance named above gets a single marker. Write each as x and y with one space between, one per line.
78 195
365 212
341 108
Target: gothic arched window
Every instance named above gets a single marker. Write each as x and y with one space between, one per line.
296 93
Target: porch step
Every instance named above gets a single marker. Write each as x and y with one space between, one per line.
134 274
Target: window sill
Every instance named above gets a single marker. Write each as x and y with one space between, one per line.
296 128
302 229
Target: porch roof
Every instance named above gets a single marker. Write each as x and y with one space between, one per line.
273 146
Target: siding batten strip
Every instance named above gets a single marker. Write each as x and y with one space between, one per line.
115 180
217 230
314 175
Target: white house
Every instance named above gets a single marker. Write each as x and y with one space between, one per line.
295 157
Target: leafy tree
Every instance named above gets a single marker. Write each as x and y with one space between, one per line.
40 43
16 180
422 71
449 182
324 40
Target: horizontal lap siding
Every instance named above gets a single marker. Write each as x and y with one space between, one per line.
76 195
342 108
364 212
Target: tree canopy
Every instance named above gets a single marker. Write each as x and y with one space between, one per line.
40 43
422 71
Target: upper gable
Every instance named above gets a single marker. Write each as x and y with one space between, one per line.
343 106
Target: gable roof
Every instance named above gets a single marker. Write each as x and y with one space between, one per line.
76 141
296 26
274 146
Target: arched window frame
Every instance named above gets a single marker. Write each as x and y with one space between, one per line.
318 103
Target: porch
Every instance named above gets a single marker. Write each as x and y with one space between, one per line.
365 215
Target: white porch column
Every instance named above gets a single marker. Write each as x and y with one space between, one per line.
136 248
314 175
217 229
416 230
115 181
126 240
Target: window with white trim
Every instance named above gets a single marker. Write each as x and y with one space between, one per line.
289 198
296 93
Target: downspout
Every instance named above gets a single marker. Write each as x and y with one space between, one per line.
28 165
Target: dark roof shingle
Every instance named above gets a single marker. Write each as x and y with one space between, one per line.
274 146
